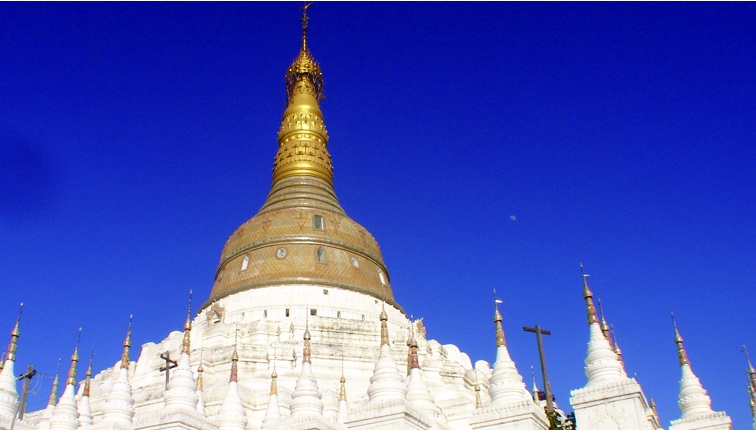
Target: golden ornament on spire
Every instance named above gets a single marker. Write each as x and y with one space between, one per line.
53 400
302 139
342 386
186 342
682 355
200 370
500 340
307 350
126 345
87 382
751 382
588 296
234 366
15 334
414 360
604 326
384 326
74 360
273 384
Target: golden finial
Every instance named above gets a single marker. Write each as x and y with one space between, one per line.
302 138
616 346
751 377
234 360
384 326
200 370
500 340
412 343
588 296
126 345
682 355
304 75
342 381
652 404
85 393
15 333
74 360
186 342
53 400
478 402
603 324
307 351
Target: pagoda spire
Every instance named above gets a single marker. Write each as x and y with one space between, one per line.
694 403
386 383
604 325
588 296
306 399
232 414
44 423
85 411
602 364
751 386
181 393
417 391
273 412
119 402
200 387
66 413
506 385
8 391
341 414
303 139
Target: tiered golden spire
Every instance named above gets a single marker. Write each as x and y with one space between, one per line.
616 346
15 334
74 360
412 343
682 355
126 345
751 384
384 326
186 342
500 340
307 350
478 402
273 384
603 324
235 359
53 400
87 382
302 139
200 370
342 381
652 404
588 296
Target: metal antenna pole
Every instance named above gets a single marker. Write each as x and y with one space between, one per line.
21 409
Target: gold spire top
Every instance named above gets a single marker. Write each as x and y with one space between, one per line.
235 358
307 351
384 326
15 333
53 400
273 377
751 378
126 345
616 346
342 381
652 404
200 370
603 324
186 342
234 366
478 401
302 139
304 74
74 360
412 343
500 340
87 383
682 355
588 296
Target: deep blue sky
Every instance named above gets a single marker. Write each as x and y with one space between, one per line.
137 137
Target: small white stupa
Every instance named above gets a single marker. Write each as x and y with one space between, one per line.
693 401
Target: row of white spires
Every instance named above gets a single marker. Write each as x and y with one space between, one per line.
184 392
